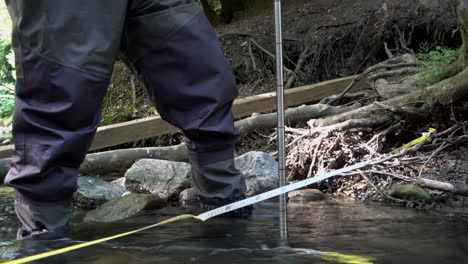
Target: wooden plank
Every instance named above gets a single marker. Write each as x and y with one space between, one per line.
121 133
267 102
125 132
6 151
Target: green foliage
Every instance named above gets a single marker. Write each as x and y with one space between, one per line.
435 65
6 69
215 5
7 101
117 116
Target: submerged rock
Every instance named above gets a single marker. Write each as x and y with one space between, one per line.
124 207
7 195
305 196
409 192
260 171
159 177
93 192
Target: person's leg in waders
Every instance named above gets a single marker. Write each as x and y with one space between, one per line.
65 51
174 49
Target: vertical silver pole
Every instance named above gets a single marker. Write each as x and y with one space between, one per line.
280 103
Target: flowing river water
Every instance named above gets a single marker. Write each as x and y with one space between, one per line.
389 234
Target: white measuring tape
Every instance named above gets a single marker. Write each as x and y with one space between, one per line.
334 256
278 191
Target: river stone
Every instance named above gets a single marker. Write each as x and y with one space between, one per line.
159 177
409 192
305 196
189 198
93 192
124 207
120 182
260 171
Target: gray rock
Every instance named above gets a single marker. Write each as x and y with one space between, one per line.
120 182
305 196
93 192
159 177
409 192
188 197
124 207
260 171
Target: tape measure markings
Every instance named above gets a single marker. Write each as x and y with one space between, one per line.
207 215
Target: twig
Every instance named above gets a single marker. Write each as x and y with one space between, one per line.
252 55
403 41
389 53
401 177
430 157
406 70
302 58
270 54
314 157
378 190
382 65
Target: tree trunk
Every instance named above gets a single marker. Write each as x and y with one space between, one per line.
209 12
228 8
463 18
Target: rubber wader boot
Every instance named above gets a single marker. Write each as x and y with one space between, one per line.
218 184
42 220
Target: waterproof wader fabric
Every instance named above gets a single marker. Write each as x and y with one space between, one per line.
65 51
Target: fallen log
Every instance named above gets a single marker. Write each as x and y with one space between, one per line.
455 188
111 164
292 115
443 93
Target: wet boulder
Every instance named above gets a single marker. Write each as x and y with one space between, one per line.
260 171
306 196
409 192
163 178
120 182
189 198
124 207
93 192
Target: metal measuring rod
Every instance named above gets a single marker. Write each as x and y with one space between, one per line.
280 105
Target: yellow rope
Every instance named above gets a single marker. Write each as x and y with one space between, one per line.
347 259
425 137
86 244
329 256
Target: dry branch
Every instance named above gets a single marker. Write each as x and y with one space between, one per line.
402 61
442 93
292 115
116 162
456 188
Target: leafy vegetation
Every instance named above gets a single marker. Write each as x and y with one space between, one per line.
435 65
7 101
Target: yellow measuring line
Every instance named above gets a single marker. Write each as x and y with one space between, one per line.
90 243
330 256
425 137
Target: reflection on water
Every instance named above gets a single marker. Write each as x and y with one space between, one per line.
388 234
